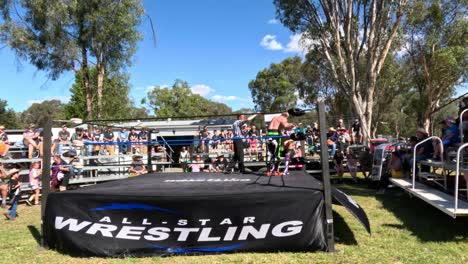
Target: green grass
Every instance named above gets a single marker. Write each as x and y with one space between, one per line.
404 230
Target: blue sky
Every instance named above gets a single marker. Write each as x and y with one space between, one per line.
217 46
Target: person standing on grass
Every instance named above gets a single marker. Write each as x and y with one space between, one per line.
34 175
338 161
352 164
14 192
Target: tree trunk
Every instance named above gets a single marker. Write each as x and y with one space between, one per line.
100 82
85 79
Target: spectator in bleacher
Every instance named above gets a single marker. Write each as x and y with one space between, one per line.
57 174
221 163
332 139
356 133
87 138
3 185
4 143
222 139
204 139
215 140
184 157
63 138
53 146
14 192
122 138
229 141
77 139
340 125
143 140
137 167
197 164
451 133
253 146
96 137
212 164
464 122
426 149
34 176
343 139
30 139
108 139
253 130
133 137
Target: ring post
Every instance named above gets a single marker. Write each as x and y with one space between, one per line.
45 174
326 177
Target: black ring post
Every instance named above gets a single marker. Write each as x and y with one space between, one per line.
150 150
45 174
326 177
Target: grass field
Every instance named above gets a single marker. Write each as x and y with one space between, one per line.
404 230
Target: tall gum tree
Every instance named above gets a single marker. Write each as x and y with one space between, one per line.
347 32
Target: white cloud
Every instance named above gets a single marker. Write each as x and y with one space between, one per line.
201 89
273 21
63 99
298 44
224 98
269 42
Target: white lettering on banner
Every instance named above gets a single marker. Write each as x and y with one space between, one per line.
105 219
184 232
250 230
158 234
130 232
294 227
182 222
125 221
226 221
250 219
203 221
72 223
106 230
205 235
145 222
155 233
231 231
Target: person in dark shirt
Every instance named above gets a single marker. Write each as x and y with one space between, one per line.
14 192
356 133
221 163
133 137
143 140
238 143
108 138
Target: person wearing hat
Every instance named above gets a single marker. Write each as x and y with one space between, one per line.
221 163
450 132
4 143
137 167
14 192
30 139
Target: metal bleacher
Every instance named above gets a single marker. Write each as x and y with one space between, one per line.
433 185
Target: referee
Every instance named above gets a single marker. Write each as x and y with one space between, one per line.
238 145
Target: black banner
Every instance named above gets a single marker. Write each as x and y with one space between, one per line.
162 214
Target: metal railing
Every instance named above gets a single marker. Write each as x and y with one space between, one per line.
460 126
414 155
457 179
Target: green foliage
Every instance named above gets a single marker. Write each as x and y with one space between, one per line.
437 47
8 117
38 113
116 101
276 88
180 101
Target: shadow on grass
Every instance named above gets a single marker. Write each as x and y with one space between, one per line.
343 233
35 233
425 221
